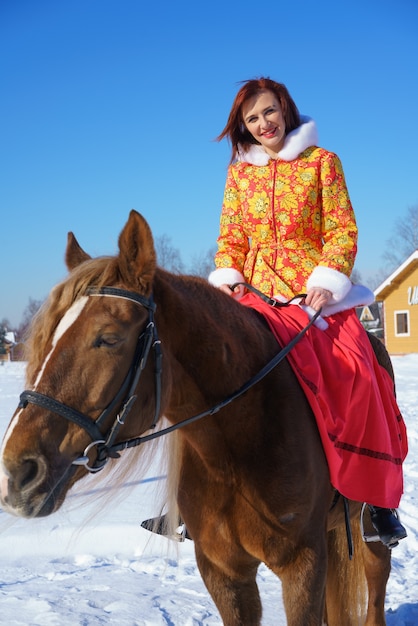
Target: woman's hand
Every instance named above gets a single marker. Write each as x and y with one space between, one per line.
236 293
317 297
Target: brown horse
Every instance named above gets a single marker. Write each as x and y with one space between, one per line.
250 478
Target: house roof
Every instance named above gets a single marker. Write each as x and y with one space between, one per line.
397 277
9 337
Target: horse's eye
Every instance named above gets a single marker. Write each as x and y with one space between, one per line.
107 340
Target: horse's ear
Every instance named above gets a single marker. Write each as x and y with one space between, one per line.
137 258
74 254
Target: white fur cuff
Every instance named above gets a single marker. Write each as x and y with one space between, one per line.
332 280
359 295
225 276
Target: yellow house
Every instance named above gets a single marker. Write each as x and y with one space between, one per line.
399 294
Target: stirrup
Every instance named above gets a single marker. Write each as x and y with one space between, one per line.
374 537
367 537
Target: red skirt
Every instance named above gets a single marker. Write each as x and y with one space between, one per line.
360 424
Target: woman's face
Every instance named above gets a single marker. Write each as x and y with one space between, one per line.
263 118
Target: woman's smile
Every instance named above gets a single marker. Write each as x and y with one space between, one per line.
270 133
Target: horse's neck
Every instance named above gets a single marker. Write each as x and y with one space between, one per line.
215 345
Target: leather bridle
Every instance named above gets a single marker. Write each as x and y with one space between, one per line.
125 397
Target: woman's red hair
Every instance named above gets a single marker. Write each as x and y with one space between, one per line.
235 129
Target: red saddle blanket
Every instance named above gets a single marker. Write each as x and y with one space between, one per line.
351 395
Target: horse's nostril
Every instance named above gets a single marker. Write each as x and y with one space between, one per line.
28 473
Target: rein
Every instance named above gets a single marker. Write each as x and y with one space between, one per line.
106 446
250 383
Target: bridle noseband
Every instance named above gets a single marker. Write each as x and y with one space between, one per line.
106 447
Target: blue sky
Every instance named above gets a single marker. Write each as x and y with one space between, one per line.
108 105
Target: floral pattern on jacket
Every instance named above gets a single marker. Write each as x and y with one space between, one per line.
281 220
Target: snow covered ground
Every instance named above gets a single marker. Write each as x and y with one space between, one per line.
68 569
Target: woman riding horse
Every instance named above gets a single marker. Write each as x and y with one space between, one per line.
287 227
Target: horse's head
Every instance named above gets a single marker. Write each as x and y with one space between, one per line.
87 350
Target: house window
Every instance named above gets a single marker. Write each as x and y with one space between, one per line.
401 323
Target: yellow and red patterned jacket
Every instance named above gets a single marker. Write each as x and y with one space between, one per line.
287 223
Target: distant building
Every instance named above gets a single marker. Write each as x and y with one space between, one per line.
371 317
9 343
399 295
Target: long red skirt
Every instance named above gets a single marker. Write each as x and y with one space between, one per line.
360 424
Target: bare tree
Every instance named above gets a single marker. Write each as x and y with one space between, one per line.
29 313
404 240
203 264
356 276
5 324
3 331
170 259
168 256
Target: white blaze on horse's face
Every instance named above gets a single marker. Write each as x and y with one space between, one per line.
66 322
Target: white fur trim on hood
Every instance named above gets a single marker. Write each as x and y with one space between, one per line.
304 136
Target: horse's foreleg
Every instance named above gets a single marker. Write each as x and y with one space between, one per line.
233 589
303 584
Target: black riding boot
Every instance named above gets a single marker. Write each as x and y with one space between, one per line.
387 525
158 525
